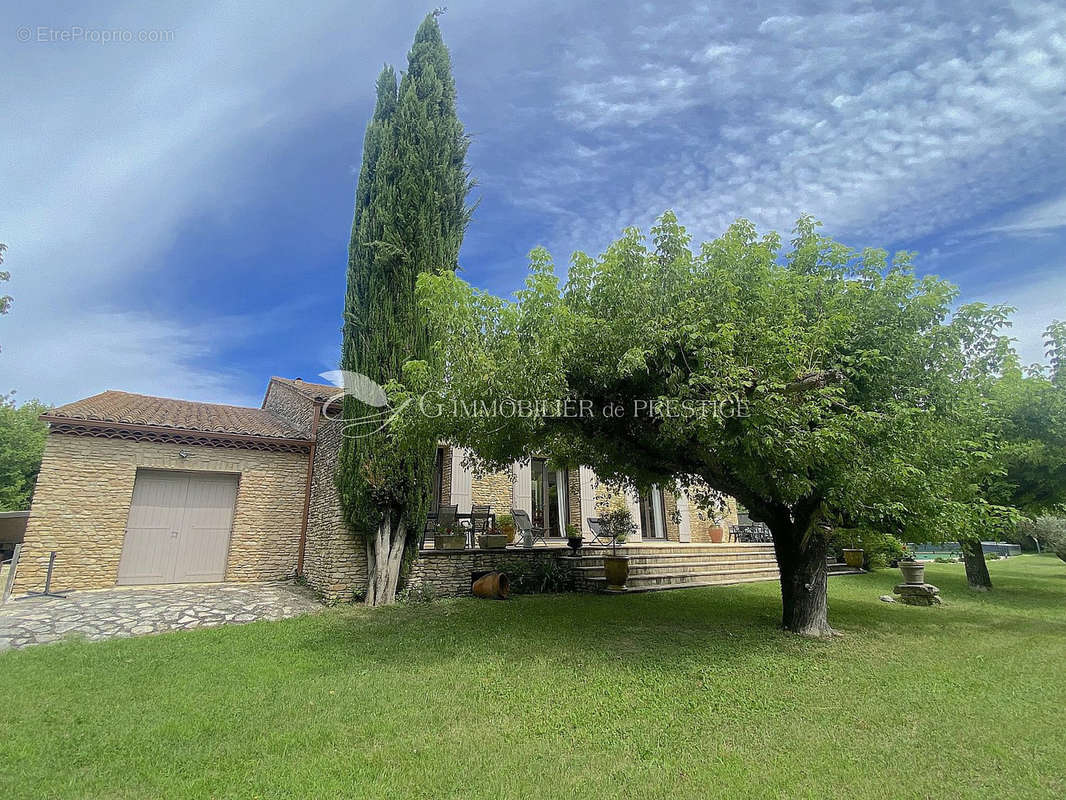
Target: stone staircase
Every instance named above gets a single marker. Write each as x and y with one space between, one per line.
656 567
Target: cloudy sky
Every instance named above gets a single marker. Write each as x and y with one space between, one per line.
177 212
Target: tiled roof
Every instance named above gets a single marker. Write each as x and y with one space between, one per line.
162 412
316 391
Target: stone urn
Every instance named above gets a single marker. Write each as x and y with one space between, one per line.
574 543
616 569
853 557
913 572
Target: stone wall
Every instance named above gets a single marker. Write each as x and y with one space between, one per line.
82 502
492 488
703 520
334 558
448 573
284 401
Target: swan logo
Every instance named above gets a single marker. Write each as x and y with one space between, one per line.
368 392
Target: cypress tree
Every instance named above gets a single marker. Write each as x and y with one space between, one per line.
410 216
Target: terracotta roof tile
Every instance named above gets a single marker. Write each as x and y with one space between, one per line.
162 412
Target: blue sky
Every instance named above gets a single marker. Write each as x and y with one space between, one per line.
177 212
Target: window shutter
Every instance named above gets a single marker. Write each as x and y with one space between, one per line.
461 481
684 525
588 498
521 494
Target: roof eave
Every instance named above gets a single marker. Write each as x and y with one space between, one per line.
163 430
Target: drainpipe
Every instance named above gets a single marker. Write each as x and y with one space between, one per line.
307 487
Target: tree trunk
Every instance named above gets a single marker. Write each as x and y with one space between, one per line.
801 552
976 567
384 557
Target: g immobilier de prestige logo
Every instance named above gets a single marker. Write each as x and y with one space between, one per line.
380 412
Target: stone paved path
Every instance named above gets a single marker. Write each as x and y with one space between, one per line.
110 613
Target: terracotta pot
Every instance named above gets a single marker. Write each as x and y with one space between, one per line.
445 541
492 541
717 534
853 557
913 571
616 568
494 586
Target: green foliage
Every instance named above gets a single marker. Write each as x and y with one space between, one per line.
410 216
419 593
838 373
5 300
541 577
22 440
1048 530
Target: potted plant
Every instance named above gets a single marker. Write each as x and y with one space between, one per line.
618 522
854 556
448 539
913 570
574 539
505 522
717 531
493 539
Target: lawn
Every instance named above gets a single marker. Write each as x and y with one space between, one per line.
679 694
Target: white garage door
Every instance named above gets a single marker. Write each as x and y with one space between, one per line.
179 527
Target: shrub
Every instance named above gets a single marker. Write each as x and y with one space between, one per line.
1050 532
419 593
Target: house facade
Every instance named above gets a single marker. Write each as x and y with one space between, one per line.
146 490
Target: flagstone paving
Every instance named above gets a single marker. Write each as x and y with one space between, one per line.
112 613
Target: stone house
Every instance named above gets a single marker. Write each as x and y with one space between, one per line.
145 490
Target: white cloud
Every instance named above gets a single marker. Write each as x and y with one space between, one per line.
886 124
116 146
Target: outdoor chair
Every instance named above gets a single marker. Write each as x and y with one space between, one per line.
528 533
599 534
479 522
447 518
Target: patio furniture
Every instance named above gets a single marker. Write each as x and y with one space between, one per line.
447 517
757 532
480 522
599 533
528 533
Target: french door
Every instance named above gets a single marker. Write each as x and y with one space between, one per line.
653 514
548 489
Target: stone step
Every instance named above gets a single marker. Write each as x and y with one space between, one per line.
663 578
692 558
676 549
701 565
725 580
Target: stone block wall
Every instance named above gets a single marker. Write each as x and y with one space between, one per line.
448 573
334 557
82 501
284 401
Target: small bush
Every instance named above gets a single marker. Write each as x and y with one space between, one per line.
541 578
419 593
1050 532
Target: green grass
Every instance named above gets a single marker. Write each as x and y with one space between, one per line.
678 694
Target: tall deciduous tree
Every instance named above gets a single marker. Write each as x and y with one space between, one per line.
22 440
410 216
810 384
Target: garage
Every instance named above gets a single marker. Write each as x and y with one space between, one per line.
179 527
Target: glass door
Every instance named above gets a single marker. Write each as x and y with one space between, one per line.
653 514
550 504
